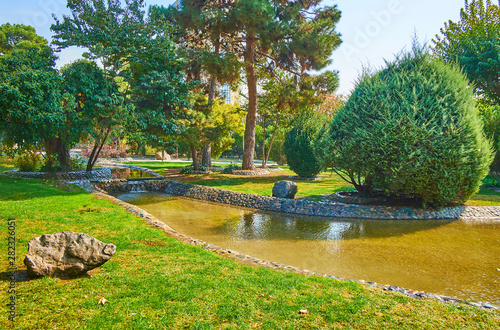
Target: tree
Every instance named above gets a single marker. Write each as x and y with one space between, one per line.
136 53
215 126
286 97
295 36
94 110
299 147
31 111
474 43
411 130
201 25
19 36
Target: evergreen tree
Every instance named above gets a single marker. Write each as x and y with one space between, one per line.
295 36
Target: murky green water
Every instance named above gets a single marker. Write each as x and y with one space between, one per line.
128 173
453 258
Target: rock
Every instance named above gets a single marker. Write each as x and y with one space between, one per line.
66 254
285 189
165 156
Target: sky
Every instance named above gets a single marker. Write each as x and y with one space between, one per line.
372 30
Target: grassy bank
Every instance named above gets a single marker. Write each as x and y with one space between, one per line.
263 185
154 281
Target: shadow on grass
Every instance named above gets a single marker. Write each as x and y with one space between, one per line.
11 190
23 276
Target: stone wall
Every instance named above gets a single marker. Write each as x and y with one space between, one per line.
300 206
102 174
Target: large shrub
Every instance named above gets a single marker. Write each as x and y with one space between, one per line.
299 148
412 130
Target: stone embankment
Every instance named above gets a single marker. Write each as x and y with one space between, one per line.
301 206
101 174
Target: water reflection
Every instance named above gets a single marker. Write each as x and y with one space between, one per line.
128 173
267 225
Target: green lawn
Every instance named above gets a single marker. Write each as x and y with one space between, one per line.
154 281
312 189
6 163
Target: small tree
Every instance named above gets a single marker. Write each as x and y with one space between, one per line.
411 130
299 147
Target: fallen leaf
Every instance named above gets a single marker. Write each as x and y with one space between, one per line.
102 301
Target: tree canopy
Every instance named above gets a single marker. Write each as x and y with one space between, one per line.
136 52
474 43
294 36
19 36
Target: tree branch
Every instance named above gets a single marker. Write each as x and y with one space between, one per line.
278 64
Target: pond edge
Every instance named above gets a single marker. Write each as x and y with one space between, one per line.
94 189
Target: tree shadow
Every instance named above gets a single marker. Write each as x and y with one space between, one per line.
23 276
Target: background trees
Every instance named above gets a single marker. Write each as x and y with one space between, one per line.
293 36
31 108
137 55
474 44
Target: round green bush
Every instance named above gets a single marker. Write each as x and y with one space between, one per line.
411 130
299 149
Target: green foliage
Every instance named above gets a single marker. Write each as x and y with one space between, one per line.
28 162
299 147
474 43
490 115
141 68
190 169
411 129
230 168
30 98
277 153
19 36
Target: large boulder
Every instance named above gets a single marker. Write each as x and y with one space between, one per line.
285 189
66 254
165 156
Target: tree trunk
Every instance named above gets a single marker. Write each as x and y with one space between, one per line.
63 155
96 151
264 160
206 156
50 146
271 142
90 162
194 155
251 120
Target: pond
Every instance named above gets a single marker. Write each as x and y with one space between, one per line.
454 258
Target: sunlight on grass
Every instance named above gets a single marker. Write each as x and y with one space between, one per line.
154 281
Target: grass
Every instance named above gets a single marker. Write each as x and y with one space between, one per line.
6 163
313 190
154 281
